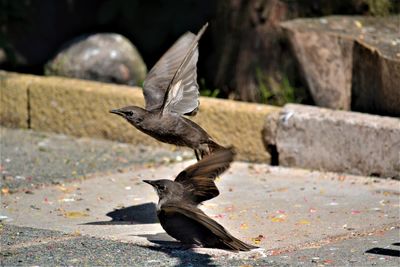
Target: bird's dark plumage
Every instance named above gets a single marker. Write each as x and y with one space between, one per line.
178 200
171 91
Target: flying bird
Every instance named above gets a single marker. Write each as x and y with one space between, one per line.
178 211
171 91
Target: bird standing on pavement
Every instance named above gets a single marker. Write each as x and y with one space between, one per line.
177 208
171 91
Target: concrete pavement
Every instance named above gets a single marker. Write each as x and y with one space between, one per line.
30 159
298 217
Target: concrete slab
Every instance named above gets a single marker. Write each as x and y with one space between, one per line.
276 208
13 237
28 246
29 158
70 250
376 249
339 141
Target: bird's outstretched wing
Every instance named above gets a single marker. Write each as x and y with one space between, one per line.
223 239
172 83
198 179
183 91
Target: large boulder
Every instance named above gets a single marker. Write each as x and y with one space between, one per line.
105 57
350 62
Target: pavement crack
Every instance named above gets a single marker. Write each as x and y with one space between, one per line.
28 93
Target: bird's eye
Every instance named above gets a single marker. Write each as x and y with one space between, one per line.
162 187
130 113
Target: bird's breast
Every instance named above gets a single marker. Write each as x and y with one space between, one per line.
160 123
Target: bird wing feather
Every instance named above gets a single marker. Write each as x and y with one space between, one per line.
172 83
199 216
198 179
160 76
182 94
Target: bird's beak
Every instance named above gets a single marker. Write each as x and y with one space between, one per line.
117 111
149 182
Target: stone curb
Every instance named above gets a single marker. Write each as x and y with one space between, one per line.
297 135
80 108
338 141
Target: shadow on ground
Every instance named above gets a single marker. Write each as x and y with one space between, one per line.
146 214
138 214
186 257
385 251
175 249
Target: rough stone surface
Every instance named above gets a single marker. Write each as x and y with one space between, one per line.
236 123
106 57
270 128
326 62
81 108
14 99
332 57
322 139
376 81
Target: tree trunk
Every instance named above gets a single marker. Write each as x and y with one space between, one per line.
248 47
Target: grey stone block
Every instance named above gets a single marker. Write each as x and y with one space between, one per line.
340 141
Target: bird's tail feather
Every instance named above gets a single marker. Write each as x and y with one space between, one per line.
238 245
213 146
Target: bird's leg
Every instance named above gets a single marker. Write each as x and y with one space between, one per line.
196 152
204 150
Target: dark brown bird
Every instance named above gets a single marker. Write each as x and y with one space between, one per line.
178 200
171 91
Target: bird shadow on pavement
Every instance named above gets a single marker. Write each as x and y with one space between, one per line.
137 214
174 249
146 214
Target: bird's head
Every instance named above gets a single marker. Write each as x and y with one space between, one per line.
164 188
132 114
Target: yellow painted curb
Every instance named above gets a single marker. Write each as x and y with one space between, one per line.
14 99
81 108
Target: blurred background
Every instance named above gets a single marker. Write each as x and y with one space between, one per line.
245 54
